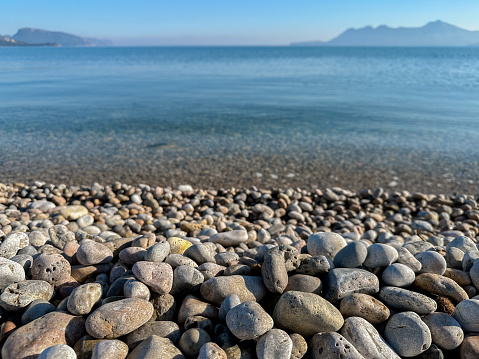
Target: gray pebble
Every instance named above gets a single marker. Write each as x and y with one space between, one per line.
432 262
276 343
332 346
229 302
446 332
58 351
351 256
398 275
326 244
248 320
342 282
406 300
380 255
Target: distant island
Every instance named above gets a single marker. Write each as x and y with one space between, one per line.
435 33
35 37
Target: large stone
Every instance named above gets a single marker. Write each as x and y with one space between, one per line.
19 295
274 272
211 351
12 244
446 332
351 256
470 347
398 275
366 339
442 286
158 276
325 244
90 253
52 268
276 344
118 318
246 288
229 239
192 340
53 328
364 306
192 306
10 272
156 347
467 314
332 346
110 349
402 299
248 320
306 314
380 255
60 235
341 282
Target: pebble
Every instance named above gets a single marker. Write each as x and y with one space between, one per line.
431 262
36 309
341 282
467 315
246 288
10 272
72 213
91 252
186 279
164 329
470 347
380 255
211 351
83 298
157 276
446 332
52 268
157 252
118 318
306 314
332 346
156 347
366 339
405 257
227 304
58 351
19 295
230 239
407 325
300 346
192 306
304 283
351 256
440 285
12 244
275 343
326 244
273 270
248 320
110 349
134 289
192 340
364 306
401 299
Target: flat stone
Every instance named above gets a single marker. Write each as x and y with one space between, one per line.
53 328
248 320
72 213
110 349
306 314
398 275
380 255
366 339
90 253
246 288
467 315
229 239
326 244
19 295
442 286
446 332
158 276
118 318
156 347
274 272
341 282
83 298
332 346
407 325
276 343
406 300
364 306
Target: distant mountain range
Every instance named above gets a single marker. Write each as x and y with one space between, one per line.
435 33
28 37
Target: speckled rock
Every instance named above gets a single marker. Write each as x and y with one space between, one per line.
326 244
230 239
314 266
366 339
306 314
351 256
186 279
431 262
332 346
164 329
36 309
211 270
156 347
274 272
131 255
300 346
304 283
60 235
92 252
460 277
406 300
192 306
211 351
135 289
446 332
83 298
164 307
248 320
200 253
157 252
246 288
467 314
158 276
405 257
10 272
51 329
118 318
12 244
470 347
192 340
440 285
62 351
110 349
229 302
364 306
341 282
380 255
178 245
19 295
72 213
407 325
398 275
276 344
52 268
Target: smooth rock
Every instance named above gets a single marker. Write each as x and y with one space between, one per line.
229 303
341 282
158 276
118 318
186 279
12 244
431 262
306 314
200 253
164 329
229 239
398 275
467 315
470 347
380 255
351 256
332 346
90 253
442 286
326 244
405 257
246 288
304 283
248 320
192 306
446 332
407 325
211 351
300 347
406 300
276 343
36 309
52 268
62 351
164 307
192 340
83 298
60 235
157 252
364 306
72 213
110 349
156 347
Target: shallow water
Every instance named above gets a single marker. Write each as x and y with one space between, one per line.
142 114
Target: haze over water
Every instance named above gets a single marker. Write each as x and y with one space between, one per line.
272 116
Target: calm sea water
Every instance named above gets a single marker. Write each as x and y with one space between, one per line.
127 102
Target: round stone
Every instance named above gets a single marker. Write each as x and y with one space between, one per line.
186 279
364 306
300 347
211 351
157 276
332 346
276 343
136 289
431 262
157 252
91 252
19 295
248 320
440 285
83 298
406 300
380 255
467 315
110 349
405 257
36 309
446 332
398 275
229 302
118 318
156 347
58 351
351 256
192 340
164 329
247 288
200 253
52 268
229 239
470 347
306 314
72 213
341 282
10 272
407 325
304 283
60 235
325 244
192 306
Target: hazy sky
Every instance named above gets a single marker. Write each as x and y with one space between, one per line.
226 22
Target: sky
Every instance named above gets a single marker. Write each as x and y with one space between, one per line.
227 22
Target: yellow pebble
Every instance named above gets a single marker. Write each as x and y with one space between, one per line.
178 245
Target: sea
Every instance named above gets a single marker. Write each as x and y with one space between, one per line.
295 114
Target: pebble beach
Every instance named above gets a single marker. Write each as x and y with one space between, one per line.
138 271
